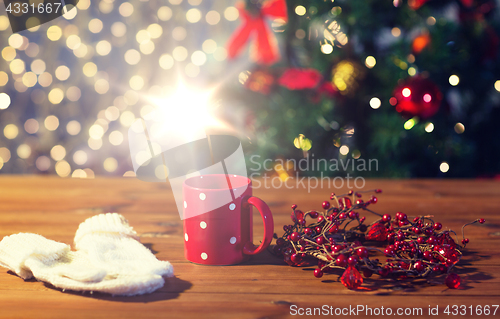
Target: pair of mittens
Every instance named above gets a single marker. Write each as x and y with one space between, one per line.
108 258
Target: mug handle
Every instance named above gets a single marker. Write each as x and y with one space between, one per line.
267 217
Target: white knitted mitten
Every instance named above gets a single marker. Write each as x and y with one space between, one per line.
110 259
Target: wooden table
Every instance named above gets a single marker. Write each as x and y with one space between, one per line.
264 287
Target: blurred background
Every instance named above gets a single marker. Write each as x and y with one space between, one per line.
412 84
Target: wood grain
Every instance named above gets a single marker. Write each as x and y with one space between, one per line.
263 287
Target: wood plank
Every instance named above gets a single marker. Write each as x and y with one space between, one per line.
261 287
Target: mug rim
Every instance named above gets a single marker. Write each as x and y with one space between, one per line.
188 180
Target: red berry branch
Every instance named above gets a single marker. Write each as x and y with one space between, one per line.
337 238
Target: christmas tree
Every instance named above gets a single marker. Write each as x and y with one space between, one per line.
412 84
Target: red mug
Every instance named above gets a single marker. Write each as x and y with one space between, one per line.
218 228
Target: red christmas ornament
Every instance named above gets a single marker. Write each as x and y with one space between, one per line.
453 281
351 278
300 79
417 96
254 26
377 232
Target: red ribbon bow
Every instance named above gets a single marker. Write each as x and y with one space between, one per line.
266 48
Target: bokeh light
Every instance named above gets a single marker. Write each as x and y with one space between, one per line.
444 167
4 101
51 122
375 103
10 131
454 80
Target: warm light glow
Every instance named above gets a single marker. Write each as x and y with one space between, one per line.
410 123
132 57
118 29
80 157
429 127
63 168
193 113
412 71
406 92
300 10
193 15
459 128
427 97
54 33
375 103
24 151
231 14
126 9
4 101
10 131
212 17
209 46
73 127
58 152
454 80
370 62
62 73
180 53
497 85
31 126
396 32
51 123
110 164
344 150
444 167
42 163
326 48
164 13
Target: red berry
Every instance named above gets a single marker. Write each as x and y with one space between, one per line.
419 266
481 221
373 199
295 258
352 260
294 236
402 217
334 229
341 261
332 196
378 191
351 192
386 218
318 229
308 231
352 215
280 242
438 226
294 206
320 219
336 249
320 240
428 255
326 204
342 216
453 281
367 273
314 214
362 252
318 273
360 202
465 241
